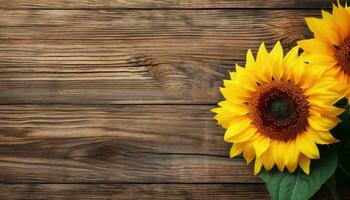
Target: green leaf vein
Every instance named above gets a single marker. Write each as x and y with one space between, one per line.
295 185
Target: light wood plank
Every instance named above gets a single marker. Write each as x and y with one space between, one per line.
149 144
131 57
161 4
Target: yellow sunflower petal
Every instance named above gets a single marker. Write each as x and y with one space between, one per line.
257 166
309 46
216 110
276 60
263 65
340 18
323 30
236 149
322 94
307 146
233 75
318 102
246 78
236 128
328 111
323 124
289 61
248 152
299 71
321 59
250 62
292 156
322 137
304 163
278 156
261 145
231 91
267 159
238 110
312 74
242 136
224 116
281 155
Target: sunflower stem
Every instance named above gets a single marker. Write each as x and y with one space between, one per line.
344 170
332 185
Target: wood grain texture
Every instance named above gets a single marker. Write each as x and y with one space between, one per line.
161 4
146 191
71 72
148 144
131 57
133 191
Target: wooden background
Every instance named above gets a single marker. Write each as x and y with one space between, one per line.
110 99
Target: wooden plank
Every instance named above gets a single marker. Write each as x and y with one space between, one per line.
146 191
131 57
133 191
149 144
161 4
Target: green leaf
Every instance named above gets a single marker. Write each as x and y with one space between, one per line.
274 183
298 185
342 133
332 185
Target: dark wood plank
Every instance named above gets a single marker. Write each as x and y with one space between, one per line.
146 191
133 191
131 57
149 144
161 4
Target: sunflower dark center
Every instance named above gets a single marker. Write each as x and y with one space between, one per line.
342 54
279 110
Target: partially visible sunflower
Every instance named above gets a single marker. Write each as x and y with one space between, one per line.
330 46
277 110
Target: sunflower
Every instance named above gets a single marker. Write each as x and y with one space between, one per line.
331 43
276 110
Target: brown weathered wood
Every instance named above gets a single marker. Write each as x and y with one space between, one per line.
146 191
148 144
133 191
161 4
131 57
128 52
